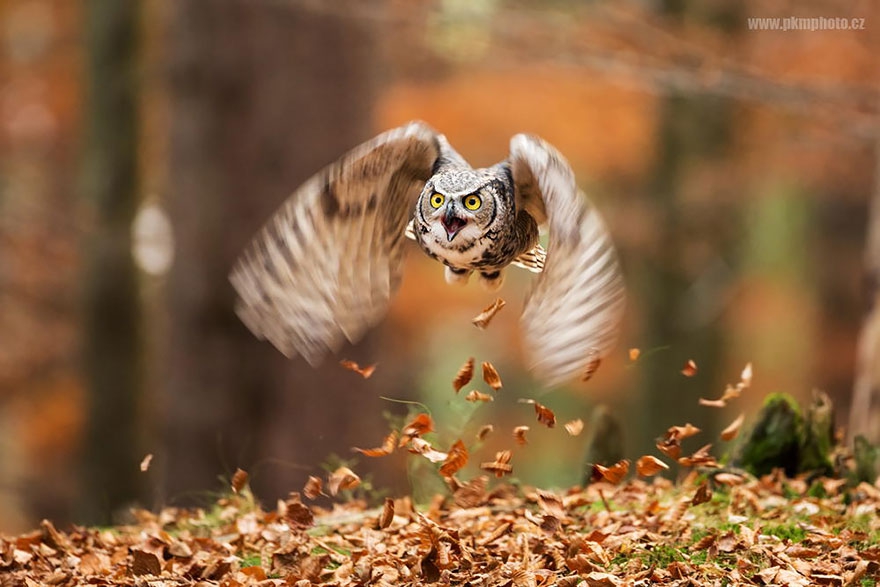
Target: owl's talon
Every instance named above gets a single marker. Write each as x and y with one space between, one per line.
492 281
457 276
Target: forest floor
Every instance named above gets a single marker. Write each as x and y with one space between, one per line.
736 530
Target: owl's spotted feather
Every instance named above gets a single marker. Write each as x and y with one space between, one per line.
326 265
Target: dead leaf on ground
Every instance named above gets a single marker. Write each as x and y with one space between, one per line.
490 376
464 375
364 372
732 430
482 320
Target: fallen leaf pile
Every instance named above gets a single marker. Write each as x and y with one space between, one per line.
756 532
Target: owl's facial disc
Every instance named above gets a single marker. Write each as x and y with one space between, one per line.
452 222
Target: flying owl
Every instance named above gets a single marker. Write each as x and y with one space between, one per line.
326 265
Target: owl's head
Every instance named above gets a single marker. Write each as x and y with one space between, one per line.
459 206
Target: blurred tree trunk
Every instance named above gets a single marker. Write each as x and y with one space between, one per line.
864 418
111 310
694 130
263 94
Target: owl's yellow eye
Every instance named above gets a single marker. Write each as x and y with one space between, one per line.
472 202
437 200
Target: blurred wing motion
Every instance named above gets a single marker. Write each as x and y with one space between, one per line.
325 266
572 315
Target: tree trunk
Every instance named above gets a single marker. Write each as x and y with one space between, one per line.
263 94
111 310
864 417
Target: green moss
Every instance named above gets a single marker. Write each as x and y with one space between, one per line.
251 560
818 439
787 532
775 439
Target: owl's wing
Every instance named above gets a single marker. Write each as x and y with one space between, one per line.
572 315
325 265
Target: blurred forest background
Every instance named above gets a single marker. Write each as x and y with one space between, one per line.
143 143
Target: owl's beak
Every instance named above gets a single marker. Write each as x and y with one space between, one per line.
452 223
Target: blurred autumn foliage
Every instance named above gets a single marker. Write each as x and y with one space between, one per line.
735 167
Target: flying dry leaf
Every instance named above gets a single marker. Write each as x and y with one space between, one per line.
613 474
477 396
671 447
545 414
387 515
703 494
424 448
732 430
490 376
341 479
689 369
519 434
634 354
388 445
591 369
483 319
421 424
730 479
145 464
239 480
500 466
682 432
464 376
648 466
313 488
485 431
746 376
701 458
712 403
456 460
364 372
575 427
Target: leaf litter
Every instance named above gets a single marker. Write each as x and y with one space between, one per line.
712 527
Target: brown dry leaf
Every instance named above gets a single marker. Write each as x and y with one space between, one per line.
689 369
729 479
634 354
477 396
648 466
485 431
575 427
732 431
490 376
552 504
145 464
239 480
545 415
703 494
388 446
145 563
746 375
671 447
682 432
482 320
387 515
423 447
519 434
701 458
615 473
591 369
364 372
464 376
456 459
501 465
341 479
421 424
313 488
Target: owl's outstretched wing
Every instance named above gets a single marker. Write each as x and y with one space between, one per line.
572 315
325 265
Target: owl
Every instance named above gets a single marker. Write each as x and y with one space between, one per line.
326 266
